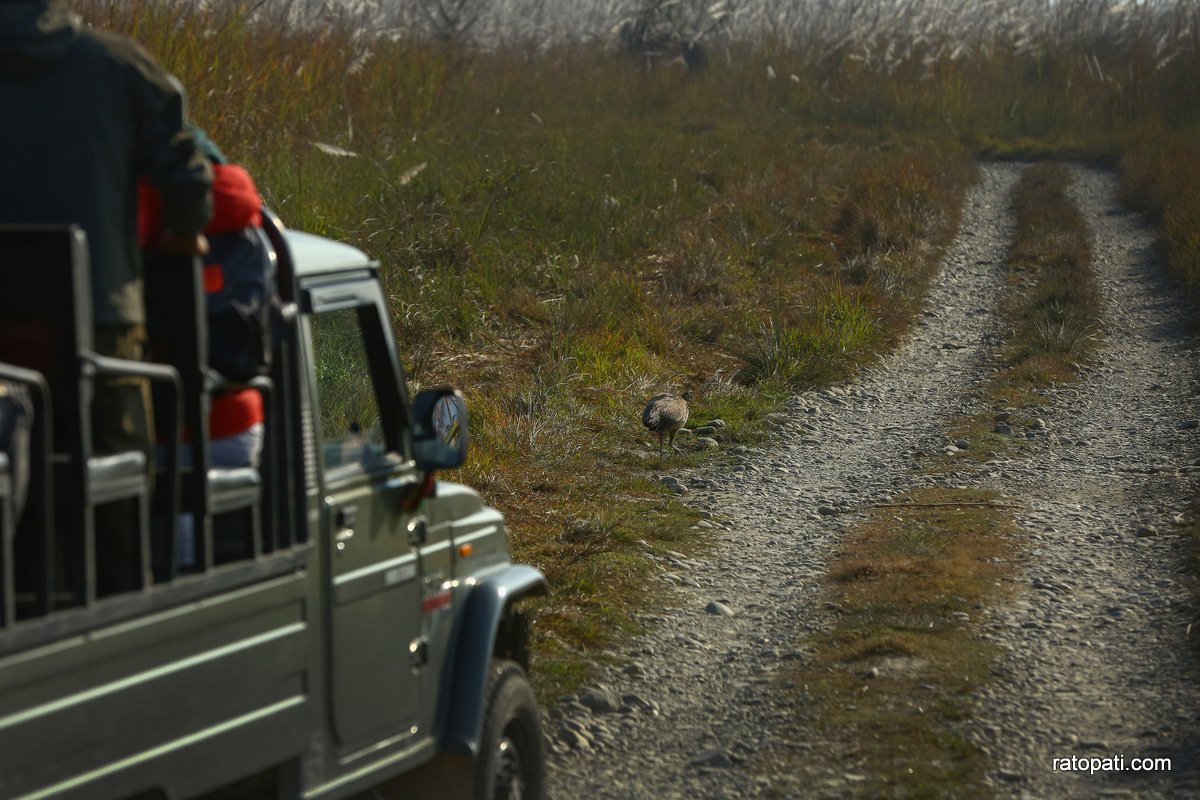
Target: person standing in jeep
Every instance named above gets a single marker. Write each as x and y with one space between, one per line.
85 114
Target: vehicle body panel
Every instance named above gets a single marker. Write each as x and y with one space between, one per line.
174 667
349 653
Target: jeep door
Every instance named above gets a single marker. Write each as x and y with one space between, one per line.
374 586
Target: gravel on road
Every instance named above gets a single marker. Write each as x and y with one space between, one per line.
1098 662
1095 659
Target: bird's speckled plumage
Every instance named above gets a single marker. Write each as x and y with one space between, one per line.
666 414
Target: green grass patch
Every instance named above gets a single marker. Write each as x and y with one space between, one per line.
817 350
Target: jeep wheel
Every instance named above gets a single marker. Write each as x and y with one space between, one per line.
511 762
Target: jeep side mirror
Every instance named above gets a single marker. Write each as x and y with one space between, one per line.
439 432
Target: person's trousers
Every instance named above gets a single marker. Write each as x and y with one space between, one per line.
122 420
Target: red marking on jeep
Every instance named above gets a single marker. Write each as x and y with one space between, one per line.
434 602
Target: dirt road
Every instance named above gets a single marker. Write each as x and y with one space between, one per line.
1096 655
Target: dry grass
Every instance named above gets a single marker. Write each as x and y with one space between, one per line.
564 238
891 682
1054 303
1160 174
566 230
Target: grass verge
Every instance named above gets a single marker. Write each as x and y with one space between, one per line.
1160 174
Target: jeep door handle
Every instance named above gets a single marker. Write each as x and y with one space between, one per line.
418 652
344 519
418 532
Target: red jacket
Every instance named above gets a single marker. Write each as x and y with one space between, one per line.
236 205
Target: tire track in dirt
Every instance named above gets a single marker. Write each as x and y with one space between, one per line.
1098 662
1095 657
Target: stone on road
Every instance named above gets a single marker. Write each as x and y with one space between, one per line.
1094 657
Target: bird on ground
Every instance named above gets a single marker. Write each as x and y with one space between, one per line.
666 414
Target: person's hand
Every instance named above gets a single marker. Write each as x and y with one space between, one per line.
183 244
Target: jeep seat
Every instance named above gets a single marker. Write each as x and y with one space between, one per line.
226 502
49 330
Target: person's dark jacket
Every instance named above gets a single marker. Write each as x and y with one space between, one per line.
83 114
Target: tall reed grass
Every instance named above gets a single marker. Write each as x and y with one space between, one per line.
1160 172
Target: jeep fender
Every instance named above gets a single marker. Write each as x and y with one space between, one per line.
470 655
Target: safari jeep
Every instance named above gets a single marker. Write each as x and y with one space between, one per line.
348 622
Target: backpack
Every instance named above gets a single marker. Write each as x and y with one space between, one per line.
239 278
239 281
239 272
